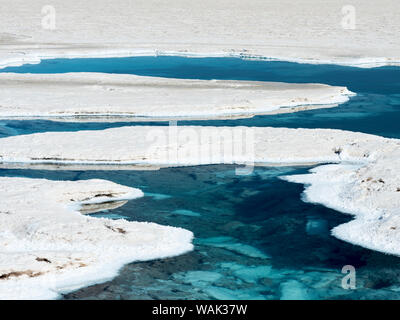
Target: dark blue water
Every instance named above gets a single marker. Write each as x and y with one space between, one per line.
255 238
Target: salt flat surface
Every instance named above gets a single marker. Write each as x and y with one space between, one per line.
48 247
191 145
304 30
102 97
364 181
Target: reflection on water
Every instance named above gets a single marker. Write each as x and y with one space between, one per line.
254 239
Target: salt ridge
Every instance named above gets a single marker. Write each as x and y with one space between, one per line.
106 97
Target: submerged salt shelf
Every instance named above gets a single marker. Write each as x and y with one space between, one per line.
260 242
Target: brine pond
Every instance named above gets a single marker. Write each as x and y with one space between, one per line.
254 236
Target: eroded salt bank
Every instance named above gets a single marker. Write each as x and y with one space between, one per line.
48 247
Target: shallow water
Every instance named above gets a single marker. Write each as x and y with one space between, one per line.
254 237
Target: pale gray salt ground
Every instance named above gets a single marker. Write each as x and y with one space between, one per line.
294 31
